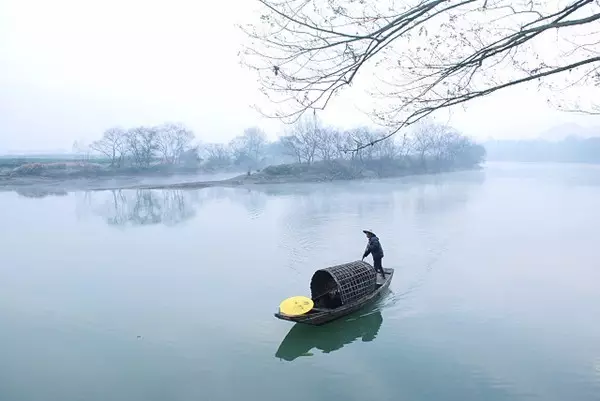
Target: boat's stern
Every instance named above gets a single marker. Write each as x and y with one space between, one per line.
281 316
289 318
295 319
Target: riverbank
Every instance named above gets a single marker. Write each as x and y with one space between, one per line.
44 178
16 169
67 175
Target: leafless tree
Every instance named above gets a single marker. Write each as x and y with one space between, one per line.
426 55
113 145
173 140
387 149
292 147
217 155
250 146
143 145
443 144
364 135
301 139
461 150
255 140
424 139
342 142
405 144
380 147
445 141
326 143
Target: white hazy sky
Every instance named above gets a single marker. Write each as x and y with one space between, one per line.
71 68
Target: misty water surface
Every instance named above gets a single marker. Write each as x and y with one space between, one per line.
169 295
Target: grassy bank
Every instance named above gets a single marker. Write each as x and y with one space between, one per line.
73 175
334 170
16 168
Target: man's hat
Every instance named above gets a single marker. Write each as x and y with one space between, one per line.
369 232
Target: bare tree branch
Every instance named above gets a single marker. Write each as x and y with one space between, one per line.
427 55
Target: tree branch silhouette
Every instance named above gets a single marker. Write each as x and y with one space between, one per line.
427 54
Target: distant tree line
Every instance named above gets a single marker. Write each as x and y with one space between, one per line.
428 143
569 150
168 143
305 142
173 144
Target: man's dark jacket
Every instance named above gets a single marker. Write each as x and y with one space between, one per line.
374 247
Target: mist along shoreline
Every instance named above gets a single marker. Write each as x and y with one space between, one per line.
61 184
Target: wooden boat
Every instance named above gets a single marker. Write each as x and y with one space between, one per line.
340 290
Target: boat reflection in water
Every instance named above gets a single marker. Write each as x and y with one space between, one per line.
302 338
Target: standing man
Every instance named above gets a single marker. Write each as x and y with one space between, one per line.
374 248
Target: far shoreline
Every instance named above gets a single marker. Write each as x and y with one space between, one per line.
38 186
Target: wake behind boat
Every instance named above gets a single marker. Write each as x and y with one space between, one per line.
335 292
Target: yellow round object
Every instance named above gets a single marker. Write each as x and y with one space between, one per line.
295 306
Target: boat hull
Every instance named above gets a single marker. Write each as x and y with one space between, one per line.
318 317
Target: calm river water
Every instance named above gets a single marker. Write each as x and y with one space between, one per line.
169 295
